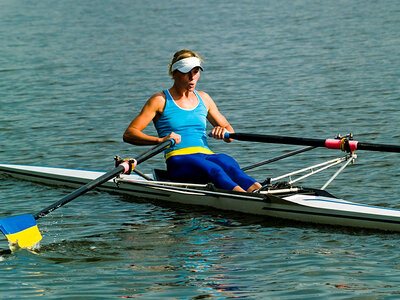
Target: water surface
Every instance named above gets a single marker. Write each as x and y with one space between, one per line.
74 74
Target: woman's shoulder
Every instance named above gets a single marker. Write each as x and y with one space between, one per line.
158 98
206 98
157 101
203 94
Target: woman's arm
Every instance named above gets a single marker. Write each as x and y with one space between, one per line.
134 133
220 123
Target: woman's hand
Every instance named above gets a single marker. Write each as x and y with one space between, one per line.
172 136
218 133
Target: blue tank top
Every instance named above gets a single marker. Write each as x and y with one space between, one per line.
190 124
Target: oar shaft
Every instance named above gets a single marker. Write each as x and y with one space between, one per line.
155 150
122 168
328 143
87 187
378 147
275 139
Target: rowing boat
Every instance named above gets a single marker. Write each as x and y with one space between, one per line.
275 198
281 200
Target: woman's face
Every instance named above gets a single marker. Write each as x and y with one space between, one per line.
187 80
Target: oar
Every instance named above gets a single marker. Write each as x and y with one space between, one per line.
344 144
23 229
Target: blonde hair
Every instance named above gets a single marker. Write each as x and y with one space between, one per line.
181 54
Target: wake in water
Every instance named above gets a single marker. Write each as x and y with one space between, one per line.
13 248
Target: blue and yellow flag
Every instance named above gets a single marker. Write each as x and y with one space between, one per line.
21 230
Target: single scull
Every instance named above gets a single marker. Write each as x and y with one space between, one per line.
280 200
276 198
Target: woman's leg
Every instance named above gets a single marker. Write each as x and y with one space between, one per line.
196 168
232 168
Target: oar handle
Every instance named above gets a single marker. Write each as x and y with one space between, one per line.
122 168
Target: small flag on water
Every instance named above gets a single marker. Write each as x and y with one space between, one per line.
21 230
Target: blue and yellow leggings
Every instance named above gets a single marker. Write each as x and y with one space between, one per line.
220 169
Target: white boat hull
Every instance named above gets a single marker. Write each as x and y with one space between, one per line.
303 205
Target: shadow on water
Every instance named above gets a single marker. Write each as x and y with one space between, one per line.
234 219
5 252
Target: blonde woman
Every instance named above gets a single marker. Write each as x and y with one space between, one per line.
181 113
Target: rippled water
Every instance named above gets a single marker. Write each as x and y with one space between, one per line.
73 75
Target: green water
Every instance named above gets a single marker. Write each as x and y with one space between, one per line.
74 73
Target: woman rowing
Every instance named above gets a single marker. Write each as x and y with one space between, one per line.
181 113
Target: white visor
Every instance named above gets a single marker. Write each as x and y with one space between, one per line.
186 64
